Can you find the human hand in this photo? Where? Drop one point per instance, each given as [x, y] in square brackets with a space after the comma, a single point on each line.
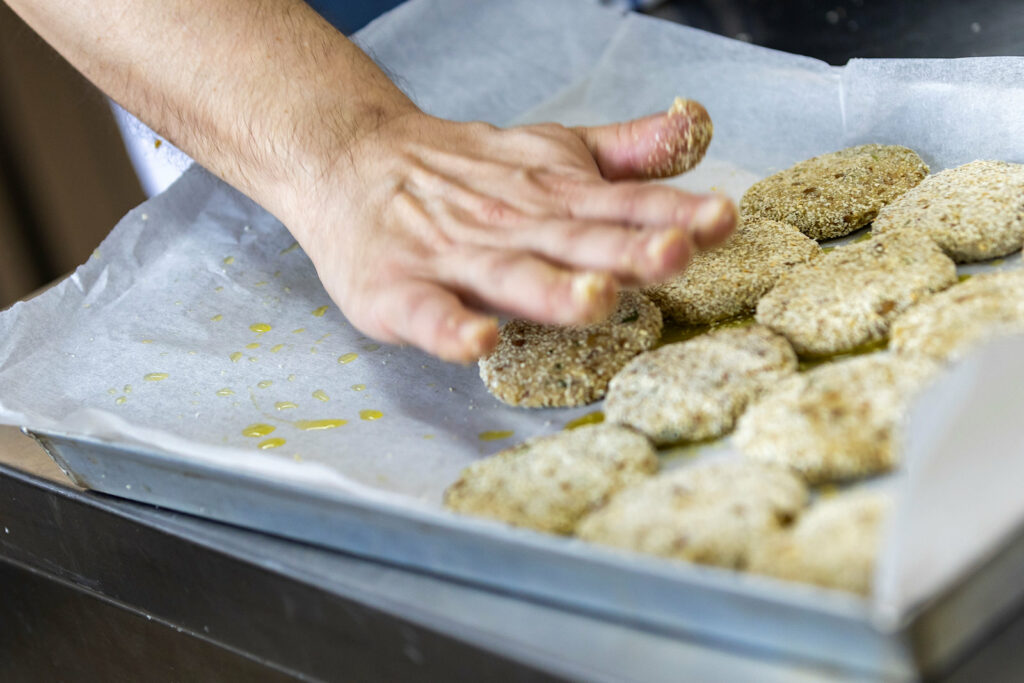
[424, 226]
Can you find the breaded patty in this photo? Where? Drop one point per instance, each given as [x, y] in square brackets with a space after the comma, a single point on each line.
[837, 421]
[834, 194]
[696, 389]
[728, 281]
[834, 543]
[546, 365]
[948, 324]
[712, 514]
[549, 482]
[849, 296]
[973, 212]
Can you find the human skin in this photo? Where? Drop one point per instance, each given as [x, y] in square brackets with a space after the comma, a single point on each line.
[421, 229]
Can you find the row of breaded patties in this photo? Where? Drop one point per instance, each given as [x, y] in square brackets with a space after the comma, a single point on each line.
[807, 385]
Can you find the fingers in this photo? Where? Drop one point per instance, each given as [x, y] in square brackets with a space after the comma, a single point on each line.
[656, 146]
[525, 286]
[432, 318]
[708, 218]
[633, 256]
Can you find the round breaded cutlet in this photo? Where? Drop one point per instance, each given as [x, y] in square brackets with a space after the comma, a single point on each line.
[538, 365]
[696, 389]
[837, 421]
[728, 281]
[834, 194]
[850, 296]
[833, 544]
[711, 514]
[973, 212]
[549, 482]
[949, 324]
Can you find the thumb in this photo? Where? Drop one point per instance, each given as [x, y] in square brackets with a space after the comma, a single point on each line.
[656, 146]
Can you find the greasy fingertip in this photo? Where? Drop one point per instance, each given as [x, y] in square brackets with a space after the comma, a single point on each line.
[713, 222]
[594, 295]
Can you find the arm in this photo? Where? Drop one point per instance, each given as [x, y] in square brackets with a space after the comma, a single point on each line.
[417, 226]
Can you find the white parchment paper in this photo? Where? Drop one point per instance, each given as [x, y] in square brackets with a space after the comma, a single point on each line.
[177, 286]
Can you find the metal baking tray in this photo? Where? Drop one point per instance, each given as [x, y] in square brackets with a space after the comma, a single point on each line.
[830, 628]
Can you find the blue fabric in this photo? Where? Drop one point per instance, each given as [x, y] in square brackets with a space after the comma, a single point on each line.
[348, 16]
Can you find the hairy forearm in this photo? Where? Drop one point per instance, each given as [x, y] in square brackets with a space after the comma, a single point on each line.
[261, 92]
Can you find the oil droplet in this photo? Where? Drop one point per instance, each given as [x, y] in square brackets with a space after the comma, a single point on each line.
[147, 341]
[428, 436]
[358, 387]
[594, 418]
[253, 345]
[285, 405]
[261, 283]
[299, 330]
[998, 262]
[155, 376]
[127, 388]
[495, 435]
[316, 425]
[270, 443]
[371, 347]
[257, 430]
[260, 328]
[347, 358]
[276, 347]
[229, 260]
[828, 490]
[293, 247]
[120, 400]
[218, 289]
[224, 392]
[217, 318]
[319, 312]
[291, 378]
[253, 359]
[112, 391]
[321, 395]
[264, 384]
[322, 338]
[236, 356]
[963, 277]
[370, 415]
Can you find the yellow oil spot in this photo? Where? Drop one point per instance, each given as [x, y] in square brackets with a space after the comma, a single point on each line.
[120, 400]
[276, 347]
[370, 415]
[264, 384]
[229, 260]
[155, 376]
[495, 435]
[321, 395]
[594, 418]
[112, 391]
[963, 277]
[260, 328]
[293, 247]
[371, 347]
[261, 283]
[257, 430]
[316, 425]
[299, 330]
[270, 443]
[127, 388]
[218, 289]
[157, 143]
[322, 338]
[291, 378]
[998, 262]
[225, 392]
[147, 341]
[236, 356]
[296, 457]
[319, 312]
[428, 436]
[253, 359]
[828, 490]
[285, 405]
[347, 358]
[217, 318]
[253, 345]
[358, 387]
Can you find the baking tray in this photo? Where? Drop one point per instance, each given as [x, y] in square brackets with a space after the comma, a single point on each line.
[831, 628]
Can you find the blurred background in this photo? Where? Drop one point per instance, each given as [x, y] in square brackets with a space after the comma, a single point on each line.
[66, 176]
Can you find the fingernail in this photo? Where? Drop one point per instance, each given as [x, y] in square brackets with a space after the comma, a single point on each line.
[711, 214]
[662, 243]
[592, 293]
[477, 335]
